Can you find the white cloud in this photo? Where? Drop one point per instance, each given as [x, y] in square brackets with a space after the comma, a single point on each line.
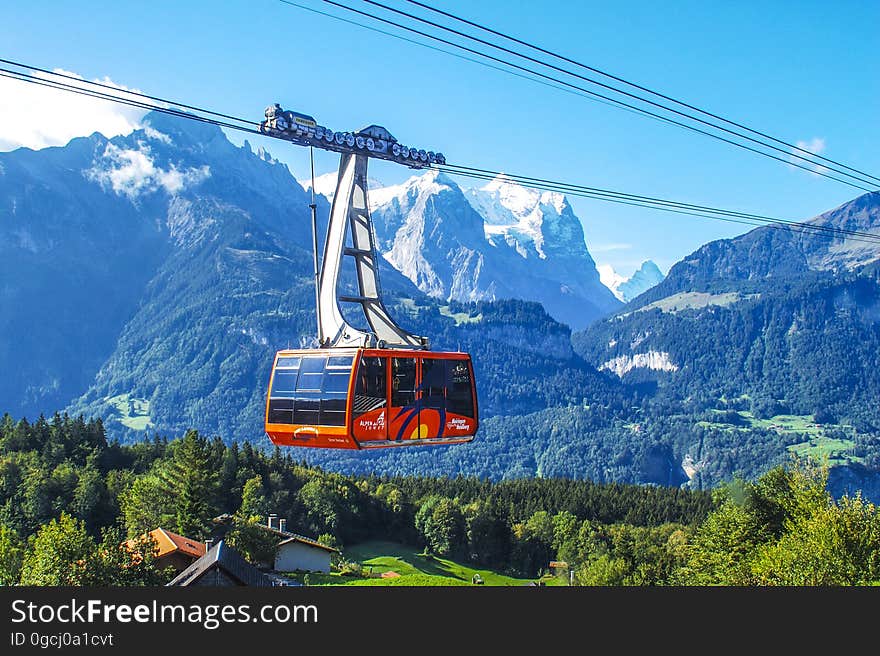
[130, 172]
[38, 116]
[816, 145]
[152, 133]
[604, 248]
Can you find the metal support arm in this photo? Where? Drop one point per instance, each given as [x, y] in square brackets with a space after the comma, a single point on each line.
[350, 214]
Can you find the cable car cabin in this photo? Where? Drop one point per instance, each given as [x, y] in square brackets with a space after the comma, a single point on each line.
[370, 398]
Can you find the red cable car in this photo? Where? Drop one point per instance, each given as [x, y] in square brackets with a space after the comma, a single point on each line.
[373, 388]
[370, 398]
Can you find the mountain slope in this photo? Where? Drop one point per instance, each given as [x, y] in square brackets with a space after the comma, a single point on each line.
[648, 275]
[501, 241]
[73, 261]
[772, 253]
[153, 276]
[772, 314]
[185, 264]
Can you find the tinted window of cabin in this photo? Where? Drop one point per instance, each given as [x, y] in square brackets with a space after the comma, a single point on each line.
[307, 406]
[434, 381]
[403, 382]
[283, 390]
[371, 386]
[311, 371]
[310, 390]
[334, 390]
[459, 389]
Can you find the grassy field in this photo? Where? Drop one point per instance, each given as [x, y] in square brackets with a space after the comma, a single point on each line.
[412, 568]
[825, 448]
[813, 441]
[460, 317]
[133, 412]
[414, 309]
[693, 301]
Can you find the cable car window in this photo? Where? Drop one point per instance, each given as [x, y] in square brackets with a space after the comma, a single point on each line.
[371, 387]
[335, 361]
[281, 411]
[403, 382]
[434, 375]
[333, 412]
[334, 393]
[281, 397]
[284, 380]
[311, 373]
[284, 383]
[459, 391]
[305, 410]
[336, 382]
[310, 391]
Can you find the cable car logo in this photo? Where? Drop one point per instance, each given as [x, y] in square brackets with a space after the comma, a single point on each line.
[377, 424]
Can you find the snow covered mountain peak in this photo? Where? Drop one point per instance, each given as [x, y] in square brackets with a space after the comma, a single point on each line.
[324, 184]
[503, 240]
[533, 222]
[430, 182]
[626, 289]
[521, 201]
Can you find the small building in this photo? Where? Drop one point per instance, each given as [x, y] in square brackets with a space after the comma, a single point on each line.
[174, 550]
[221, 566]
[303, 554]
[297, 552]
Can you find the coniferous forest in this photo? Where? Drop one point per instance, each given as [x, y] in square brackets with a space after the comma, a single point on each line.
[70, 499]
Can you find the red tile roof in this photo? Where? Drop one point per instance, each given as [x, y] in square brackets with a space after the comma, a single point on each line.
[169, 543]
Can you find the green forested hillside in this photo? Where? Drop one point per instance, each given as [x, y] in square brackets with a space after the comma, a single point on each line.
[167, 309]
[68, 498]
[757, 347]
[810, 345]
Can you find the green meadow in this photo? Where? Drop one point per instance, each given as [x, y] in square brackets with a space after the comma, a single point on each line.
[402, 565]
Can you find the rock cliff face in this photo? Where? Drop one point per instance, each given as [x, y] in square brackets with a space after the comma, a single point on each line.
[851, 479]
[499, 242]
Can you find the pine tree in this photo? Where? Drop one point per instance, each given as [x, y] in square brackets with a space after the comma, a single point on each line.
[193, 485]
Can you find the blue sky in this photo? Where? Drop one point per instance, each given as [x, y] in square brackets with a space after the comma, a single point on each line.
[801, 71]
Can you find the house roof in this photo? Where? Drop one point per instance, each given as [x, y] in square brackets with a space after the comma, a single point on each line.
[306, 541]
[229, 561]
[288, 537]
[170, 542]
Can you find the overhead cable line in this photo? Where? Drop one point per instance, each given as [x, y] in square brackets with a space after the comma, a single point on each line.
[93, 93]
[603, 85]
[128, 91]
[453, 168]
[617, 102]
[149, 103]
[636, 86]
[472, 60]
[628, 94]
[662, 204]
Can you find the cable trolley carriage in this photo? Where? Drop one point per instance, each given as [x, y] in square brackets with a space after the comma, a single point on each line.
[369, 398]
[372, 388]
